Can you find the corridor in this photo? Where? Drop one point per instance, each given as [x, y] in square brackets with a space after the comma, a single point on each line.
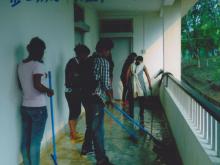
[119, 147]
[152, 29]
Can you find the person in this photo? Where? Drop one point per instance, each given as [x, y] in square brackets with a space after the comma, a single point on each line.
[99, 88]
[137, 88]
[31, 77]
[73, 91]
[130, 59]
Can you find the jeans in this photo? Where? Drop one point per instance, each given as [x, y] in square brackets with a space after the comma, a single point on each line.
[95, 127]
[33, 126]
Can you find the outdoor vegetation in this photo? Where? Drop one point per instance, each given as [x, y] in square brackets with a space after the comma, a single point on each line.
[201, 48]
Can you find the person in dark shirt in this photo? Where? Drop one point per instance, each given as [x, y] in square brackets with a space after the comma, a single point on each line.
[73, 89]
[130, 59]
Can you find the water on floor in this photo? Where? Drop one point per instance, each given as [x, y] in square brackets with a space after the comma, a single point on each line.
[120, 148]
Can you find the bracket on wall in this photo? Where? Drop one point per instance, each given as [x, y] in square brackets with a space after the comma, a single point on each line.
[82, 26]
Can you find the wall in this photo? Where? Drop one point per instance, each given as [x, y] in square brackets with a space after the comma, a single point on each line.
[186, 5]
[53, 22]
[172, 39]
[91, 37]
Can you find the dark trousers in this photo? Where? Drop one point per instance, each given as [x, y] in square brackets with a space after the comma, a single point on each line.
[124, 92]
[74, 100]
[94, 126]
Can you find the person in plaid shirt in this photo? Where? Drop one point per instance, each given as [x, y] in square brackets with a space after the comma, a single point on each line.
[95, 101]
[102, 74]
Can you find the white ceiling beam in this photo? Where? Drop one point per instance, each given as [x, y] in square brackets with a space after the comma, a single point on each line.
[168, 2]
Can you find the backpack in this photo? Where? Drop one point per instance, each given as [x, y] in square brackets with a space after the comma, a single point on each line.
[88, 81]
[72, 71]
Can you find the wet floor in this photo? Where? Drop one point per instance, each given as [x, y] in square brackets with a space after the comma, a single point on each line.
[120, 148]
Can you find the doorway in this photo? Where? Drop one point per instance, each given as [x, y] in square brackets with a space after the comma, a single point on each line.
[122, 48]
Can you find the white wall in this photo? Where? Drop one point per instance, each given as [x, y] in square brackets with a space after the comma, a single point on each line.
[54, 23]
[91, 37]
[186, 5]
[51, 21]
[172, 39]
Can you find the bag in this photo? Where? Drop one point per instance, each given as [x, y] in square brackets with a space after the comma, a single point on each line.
[88, 81]
[72, 74]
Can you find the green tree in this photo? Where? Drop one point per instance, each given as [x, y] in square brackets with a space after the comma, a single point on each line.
[200, 29]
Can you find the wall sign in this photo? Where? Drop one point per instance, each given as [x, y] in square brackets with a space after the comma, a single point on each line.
[16, 2]
[91, 0]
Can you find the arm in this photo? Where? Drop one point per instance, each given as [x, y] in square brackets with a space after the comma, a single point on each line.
[18, 80]
[40, 87]
[127, 75]
[68, 75]
[106, 81]
[148, 77]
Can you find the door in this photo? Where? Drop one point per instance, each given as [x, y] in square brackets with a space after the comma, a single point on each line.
[122, 48]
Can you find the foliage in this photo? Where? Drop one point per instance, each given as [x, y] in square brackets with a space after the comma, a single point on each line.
[200, 29]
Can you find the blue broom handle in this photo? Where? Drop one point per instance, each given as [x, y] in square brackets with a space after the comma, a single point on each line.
[132, 134]
[133, 121]
[52, 119]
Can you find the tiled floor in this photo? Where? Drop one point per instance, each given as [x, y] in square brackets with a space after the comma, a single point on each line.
[119, 148]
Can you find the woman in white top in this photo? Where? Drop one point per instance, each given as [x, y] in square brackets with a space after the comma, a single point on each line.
[137, 88]
[31, 76]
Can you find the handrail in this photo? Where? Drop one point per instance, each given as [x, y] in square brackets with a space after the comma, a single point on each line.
[212, 109]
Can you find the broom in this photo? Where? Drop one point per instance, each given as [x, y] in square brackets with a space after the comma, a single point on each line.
[54, 155]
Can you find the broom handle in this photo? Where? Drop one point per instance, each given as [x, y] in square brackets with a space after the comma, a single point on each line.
[132, 134]
[54, 156]
[134, 122]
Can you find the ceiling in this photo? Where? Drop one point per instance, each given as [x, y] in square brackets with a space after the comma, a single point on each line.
[127, 5]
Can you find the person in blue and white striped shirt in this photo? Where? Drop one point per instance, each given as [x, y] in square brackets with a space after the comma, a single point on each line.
[95, 101]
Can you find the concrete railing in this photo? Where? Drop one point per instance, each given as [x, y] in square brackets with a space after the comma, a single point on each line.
[194, 121]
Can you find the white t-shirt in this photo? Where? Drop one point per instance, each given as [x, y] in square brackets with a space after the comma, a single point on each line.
[31, 96]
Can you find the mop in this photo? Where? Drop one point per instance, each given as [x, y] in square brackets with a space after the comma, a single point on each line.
[53, 156]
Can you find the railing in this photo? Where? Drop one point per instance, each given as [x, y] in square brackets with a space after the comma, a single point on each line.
[202, 116]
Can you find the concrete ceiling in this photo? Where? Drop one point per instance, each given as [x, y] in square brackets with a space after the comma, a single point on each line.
[127, 5]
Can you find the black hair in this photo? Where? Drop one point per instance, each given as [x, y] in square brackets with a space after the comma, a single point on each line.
[139, 58]
[36, 42]
[81, 49]
[132, 56]
[104, 43]
[130, 59]
[36, 49]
